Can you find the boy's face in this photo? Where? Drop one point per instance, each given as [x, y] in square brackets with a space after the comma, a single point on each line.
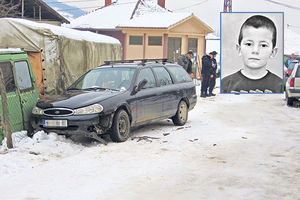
[256, 47]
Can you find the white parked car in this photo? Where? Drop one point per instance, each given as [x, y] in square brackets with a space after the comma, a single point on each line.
[293, 85]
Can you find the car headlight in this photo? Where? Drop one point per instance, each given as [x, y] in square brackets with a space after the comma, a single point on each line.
[37, 111]
[95, 108]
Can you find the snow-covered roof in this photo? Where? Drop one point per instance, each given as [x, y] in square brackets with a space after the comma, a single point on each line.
[68, 32]
[147, 6]
[10, 50]
[143, 13]
[130, 14]
[105, 18]
[156, 20]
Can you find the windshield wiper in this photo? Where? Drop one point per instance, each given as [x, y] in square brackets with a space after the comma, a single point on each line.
[73, 89]
[100, 88]
[95, 88]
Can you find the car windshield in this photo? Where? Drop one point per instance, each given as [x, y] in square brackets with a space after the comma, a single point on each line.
[114, 78]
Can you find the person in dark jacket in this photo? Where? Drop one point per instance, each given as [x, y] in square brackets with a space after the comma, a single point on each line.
[207, 67]
[185, 61]
[213, 74]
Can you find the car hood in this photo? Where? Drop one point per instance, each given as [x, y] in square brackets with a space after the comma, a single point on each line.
[76, 99]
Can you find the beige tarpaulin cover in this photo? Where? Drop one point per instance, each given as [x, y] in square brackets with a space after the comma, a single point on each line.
[66, 53]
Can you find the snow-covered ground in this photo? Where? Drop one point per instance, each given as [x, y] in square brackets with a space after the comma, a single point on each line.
[234, 147]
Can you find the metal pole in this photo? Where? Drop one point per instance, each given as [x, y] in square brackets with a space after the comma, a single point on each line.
[22, 8]
[40, 13]
[33, 12]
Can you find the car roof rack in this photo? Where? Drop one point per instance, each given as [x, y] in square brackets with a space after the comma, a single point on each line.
[143, 61]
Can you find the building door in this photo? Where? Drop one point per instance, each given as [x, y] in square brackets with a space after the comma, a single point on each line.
[174, 48]
[193, 45]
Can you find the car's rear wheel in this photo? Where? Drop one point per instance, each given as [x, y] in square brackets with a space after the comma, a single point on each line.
[121, 126]
[181, 115]
[290, 101]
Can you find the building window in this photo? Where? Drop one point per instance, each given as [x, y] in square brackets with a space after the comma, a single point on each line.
[135, 40]
[155, 41]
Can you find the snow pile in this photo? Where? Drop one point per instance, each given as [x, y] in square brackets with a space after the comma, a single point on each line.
[29, 152]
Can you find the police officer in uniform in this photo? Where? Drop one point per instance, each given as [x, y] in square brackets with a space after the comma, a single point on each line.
[213, 74]
[206, 71]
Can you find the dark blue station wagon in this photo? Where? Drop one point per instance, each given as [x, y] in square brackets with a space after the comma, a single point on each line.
[114, 97]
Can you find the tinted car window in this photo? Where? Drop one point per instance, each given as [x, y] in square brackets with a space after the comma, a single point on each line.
[23, 75]
[148, 75]
[8, 76]
[163, 76]
[179, 74]
[109, 78]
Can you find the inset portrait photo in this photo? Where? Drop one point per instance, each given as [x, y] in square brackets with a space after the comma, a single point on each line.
[252, 52]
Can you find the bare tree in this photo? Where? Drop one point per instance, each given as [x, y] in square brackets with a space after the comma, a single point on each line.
[10, 8]
[5, 118]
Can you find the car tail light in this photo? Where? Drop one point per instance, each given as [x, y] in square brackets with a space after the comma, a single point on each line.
[292, 82]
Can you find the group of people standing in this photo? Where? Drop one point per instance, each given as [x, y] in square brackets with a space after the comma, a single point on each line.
[208, 71]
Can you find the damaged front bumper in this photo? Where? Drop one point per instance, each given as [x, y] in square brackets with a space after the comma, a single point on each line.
[72, 125]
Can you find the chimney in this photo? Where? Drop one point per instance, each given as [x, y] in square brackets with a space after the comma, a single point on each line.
[107, 2]
[161, 3]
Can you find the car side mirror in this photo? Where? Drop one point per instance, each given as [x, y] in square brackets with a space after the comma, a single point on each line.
[141, 84]
[138, 87]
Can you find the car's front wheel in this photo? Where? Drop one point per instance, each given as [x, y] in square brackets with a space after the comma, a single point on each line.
[121, 126]
[181, 115]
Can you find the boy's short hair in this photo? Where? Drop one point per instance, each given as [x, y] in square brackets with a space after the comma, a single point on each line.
[259, 21]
